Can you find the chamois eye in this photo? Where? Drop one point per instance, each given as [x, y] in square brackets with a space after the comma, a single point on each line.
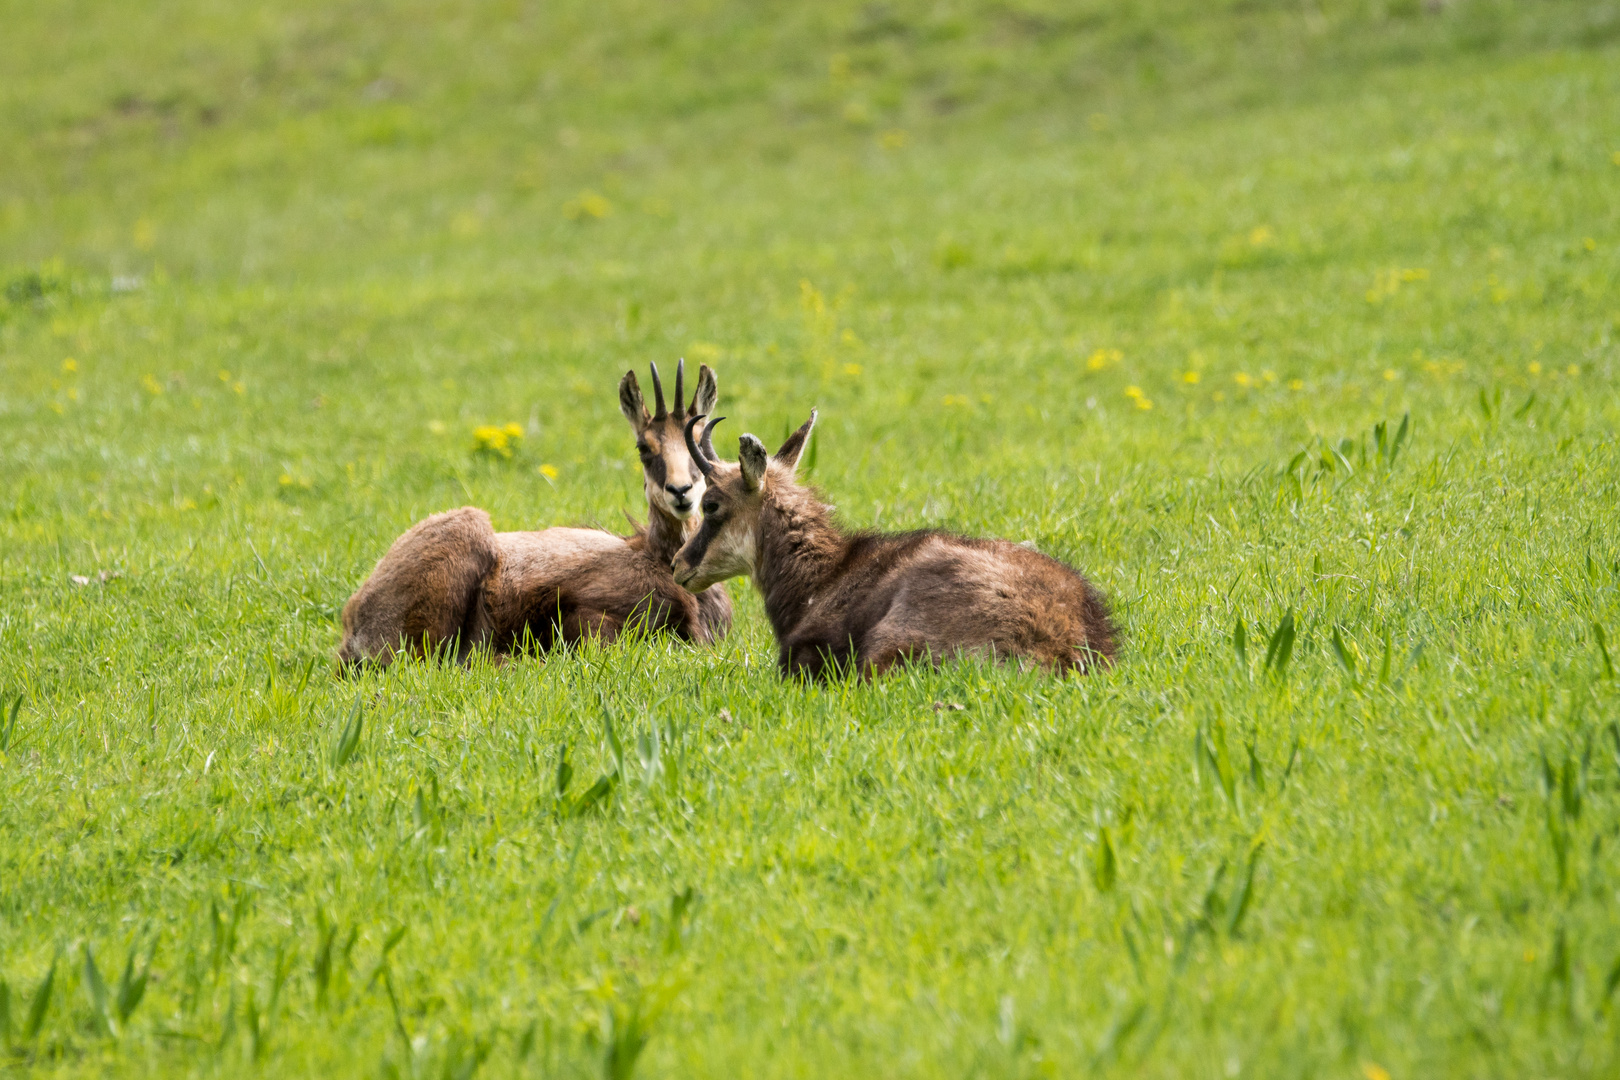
[710, 507]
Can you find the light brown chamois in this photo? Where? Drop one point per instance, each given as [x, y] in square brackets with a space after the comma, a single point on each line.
[452, 584]
[871, 600]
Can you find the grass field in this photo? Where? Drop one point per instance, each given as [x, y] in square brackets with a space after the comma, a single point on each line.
[1292, 326]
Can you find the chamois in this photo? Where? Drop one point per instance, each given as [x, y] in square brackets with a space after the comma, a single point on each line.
[451, 583]
[872, 600]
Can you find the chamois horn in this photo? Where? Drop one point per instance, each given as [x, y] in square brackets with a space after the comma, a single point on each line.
[680, 399]
[658, 393]
[707, 445]
[705, 466]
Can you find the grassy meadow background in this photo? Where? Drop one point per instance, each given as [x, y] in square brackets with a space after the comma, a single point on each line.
[1293, 325]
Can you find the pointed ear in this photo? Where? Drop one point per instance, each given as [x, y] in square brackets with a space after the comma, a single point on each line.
[753, 459]
[708, 392]
[630, 402]
[789, 452]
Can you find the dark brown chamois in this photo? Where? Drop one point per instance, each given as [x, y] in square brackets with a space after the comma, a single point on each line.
[452, 584]
[872, 600]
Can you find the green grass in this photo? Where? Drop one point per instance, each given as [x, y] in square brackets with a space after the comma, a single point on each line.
[297, 254]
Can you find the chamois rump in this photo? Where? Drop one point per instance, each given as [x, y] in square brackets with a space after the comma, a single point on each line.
[872, 600]
[451, 583]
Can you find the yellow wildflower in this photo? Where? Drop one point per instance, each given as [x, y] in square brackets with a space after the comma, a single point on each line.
[1535, 367]
[498, 441]
[70, 365]
[549, 472]
[588, 205]
[1190, 377]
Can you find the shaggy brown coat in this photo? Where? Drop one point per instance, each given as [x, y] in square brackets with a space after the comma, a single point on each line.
[451, 584]
[872, 600]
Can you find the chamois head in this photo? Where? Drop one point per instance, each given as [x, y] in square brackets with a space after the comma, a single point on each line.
[725, 545]
[674, 483]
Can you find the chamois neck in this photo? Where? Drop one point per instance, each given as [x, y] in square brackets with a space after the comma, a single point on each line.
[666, 534]
[797, 554]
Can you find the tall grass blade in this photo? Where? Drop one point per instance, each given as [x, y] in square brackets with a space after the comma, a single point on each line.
[1240, 644]
[623, 1040]
[9, 732]
[1242, 895]
[596, 796]
[132, 987]
[1104, 865]
[348, 741]
[565, 773]
[1597, 633]
[615, 747]
[680, 905]
[95, 990]
[1346, 660]
[41, 1003]
[5, 1014]
[1281, 647]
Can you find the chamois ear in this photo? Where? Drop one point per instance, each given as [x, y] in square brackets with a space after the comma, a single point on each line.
[752, 457]
[630, 402]
[708, 392]
[790, 451]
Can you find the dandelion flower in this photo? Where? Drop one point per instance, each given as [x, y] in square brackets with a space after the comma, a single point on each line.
[1296, 384]
[497, 441]
[1390, 374]
[1243, 378]
[1535, 367]
[1573, 369]
[1191, 378]
[1133, 391]
[1261, 235]
[70, 365]
[587, 206]
[548, 471]
[1589, 244]
[852, 369]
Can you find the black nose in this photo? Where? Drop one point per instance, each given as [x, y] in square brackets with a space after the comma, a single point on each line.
[678, 492]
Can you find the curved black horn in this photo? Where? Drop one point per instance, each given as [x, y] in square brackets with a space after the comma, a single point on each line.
[658, 393]
[705, 466]
[707, 445]
[680, 400]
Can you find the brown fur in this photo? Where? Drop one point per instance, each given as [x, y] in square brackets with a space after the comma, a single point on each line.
[452, 584]
[873, 600]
